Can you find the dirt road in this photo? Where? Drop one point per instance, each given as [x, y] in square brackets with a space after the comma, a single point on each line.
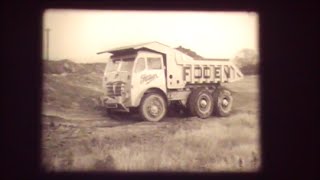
[79, 139]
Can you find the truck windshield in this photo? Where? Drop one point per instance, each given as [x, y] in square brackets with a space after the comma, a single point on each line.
[113, 65]
[126, 64]
[121, 64]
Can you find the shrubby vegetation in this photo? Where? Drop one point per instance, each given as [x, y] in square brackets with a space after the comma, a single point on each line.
[248, 61]
[67, 66]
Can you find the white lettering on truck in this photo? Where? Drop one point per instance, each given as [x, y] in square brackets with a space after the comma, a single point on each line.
[147, 78]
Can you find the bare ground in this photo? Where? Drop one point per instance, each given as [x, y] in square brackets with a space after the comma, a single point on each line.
[78, 136]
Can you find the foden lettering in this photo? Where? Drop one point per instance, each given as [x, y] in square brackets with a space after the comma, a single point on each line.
[207, 72]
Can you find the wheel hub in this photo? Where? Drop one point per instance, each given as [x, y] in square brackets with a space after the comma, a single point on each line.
[203, 103]
[154, 110]
[225, 102]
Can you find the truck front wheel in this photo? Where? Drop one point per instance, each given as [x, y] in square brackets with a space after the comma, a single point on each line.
[153, 107]
[223, 102]
[200, 103]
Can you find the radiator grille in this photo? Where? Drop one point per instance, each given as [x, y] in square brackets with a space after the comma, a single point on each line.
[113, 89]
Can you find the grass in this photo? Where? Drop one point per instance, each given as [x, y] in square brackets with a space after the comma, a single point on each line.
[176, 144]
[231, 145]
[213, 147]
[71, 91]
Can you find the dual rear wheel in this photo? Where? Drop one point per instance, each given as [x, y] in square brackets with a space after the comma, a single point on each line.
[201, 103]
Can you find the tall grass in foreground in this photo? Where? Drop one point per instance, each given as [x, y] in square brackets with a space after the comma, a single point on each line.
[210, 148]
[224, 144]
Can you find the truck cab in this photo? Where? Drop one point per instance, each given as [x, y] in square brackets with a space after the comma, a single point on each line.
[128, 76]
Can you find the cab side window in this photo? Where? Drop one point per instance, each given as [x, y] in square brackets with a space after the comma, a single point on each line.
[140, 66]
[154, 63]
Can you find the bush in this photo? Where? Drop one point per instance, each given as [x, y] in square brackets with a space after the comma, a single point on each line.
[67, 66]
[247, 60]
[250, 69]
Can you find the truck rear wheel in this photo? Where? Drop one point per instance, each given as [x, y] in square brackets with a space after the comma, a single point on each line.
[222, 101]
[200, 103]
[153, 107]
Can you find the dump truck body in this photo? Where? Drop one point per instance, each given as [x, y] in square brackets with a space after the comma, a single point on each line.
[135, 72]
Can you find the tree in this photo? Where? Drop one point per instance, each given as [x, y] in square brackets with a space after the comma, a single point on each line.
[248, 61]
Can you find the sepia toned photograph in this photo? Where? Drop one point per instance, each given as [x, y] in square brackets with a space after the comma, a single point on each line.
[150, 91]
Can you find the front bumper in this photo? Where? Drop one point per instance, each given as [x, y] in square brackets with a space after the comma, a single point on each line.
[113, 103]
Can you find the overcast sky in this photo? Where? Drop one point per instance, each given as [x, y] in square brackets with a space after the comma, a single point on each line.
[79, 34]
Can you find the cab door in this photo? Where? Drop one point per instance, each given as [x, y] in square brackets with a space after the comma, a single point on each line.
[148, 73]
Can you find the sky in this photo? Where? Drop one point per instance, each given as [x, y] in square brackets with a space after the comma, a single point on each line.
[79, 34]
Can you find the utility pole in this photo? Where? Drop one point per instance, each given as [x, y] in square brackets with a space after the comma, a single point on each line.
[47, 30]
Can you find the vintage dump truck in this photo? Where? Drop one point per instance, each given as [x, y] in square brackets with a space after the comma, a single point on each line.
[150, 77]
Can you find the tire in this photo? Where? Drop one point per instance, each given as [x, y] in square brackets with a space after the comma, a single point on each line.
[200, 103]
[223, 101]
[153, 107]
[109, 111]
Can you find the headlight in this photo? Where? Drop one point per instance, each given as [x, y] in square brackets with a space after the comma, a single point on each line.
[125, 94]
[122, 87]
